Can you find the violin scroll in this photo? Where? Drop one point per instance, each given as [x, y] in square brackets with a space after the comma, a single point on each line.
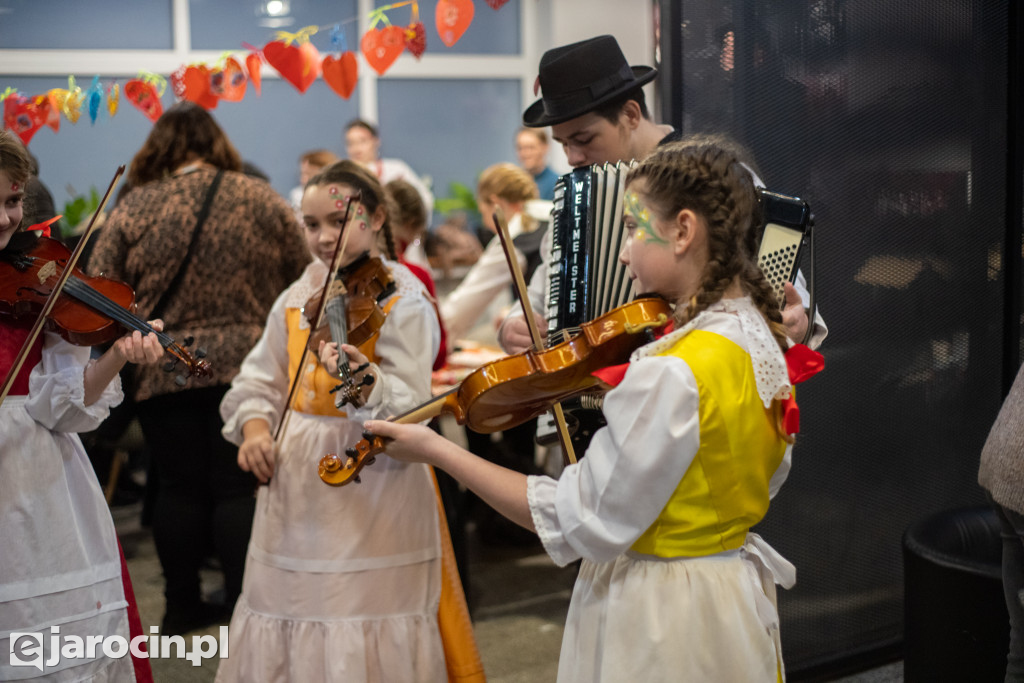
[338, 471]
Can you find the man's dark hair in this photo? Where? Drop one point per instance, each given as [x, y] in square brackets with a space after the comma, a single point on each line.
[611, 109]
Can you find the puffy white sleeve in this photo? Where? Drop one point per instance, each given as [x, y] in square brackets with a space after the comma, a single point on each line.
[56, 389]
[408, 343]
[260, 388]
[601, 505]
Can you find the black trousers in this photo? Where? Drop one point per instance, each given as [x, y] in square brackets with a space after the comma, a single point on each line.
[204, 502]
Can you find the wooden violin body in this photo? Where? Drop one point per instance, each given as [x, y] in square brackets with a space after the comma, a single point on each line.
[89, 310]
[366, 281]
[509, 391]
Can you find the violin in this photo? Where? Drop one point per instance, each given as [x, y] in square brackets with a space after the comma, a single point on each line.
[352, 315]
[511, 390]
[89, 311]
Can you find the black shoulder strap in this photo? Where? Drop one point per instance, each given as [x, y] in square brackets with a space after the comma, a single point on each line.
[200, 219]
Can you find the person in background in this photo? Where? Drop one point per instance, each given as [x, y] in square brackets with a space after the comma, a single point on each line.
[61, 567]
[209, 248]
[1001, 474]
[673, 583]
[310, 163]
[408, 225]
[532, 150]
[362, 145]
[508, 188]
[595, 105]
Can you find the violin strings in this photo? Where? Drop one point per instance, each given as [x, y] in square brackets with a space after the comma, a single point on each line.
[98, 301]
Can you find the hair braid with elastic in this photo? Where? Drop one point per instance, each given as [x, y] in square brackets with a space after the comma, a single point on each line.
[706, 177]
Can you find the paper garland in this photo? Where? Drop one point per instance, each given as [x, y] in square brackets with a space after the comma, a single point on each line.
[293, 55]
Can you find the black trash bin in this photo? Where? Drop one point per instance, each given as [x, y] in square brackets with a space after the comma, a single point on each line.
[956, 625]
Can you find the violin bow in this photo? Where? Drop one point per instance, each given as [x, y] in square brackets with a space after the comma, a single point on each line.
[51, 300]
[314, 325]
[524, 300]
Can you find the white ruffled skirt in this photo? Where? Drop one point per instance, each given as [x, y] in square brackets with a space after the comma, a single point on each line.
[642, 618]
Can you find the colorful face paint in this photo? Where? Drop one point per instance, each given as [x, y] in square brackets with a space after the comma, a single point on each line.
[644, 231]
[14, 187]
[333, 190]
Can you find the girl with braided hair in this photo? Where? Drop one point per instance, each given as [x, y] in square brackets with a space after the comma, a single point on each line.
[340, 585]
[673, 585]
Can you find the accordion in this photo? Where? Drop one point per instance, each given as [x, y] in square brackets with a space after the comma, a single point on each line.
[586, 279]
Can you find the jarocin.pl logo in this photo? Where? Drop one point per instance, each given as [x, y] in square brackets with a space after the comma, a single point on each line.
[27, 648]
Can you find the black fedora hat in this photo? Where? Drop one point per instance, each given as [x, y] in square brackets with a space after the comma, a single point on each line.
[578, 78]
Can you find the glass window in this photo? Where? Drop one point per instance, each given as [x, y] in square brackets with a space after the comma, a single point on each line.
[110, 24]
[228, 25]
[449, 130]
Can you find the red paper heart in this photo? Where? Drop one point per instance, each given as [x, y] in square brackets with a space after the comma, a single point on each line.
[453, 17]
[382, 47]
[416, 39]
[496, 4]
[253, 64]
[229, 82]
[23, 117]
[193, 83]
[341, 73]
[144, 97]
[298, 64]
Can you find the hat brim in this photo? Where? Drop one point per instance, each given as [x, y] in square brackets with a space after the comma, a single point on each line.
[535, 117]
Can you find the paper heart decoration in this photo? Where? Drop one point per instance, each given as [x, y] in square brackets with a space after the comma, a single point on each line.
[228, 83]
[253, 64]
[416, 39]
[144, 97]
[382, 46]
[193, 83]
[298, 64]
[23, 116]
[341, 73]
[496, 4]
[453, 17]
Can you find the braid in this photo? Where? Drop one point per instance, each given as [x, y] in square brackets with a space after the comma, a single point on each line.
[389, 241]
[706, 177]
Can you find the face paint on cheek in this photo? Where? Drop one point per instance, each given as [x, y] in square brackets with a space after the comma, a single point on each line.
[14, 187]
[645, 231]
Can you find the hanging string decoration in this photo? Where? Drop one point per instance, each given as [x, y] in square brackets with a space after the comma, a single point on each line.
[228, 81]
[253, 64]
[299, 64]
[113, 98]
[452, 18]
[145, 92]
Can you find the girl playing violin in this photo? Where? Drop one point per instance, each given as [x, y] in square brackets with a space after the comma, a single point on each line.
[672, 582]
[340, 584]
[61, 566]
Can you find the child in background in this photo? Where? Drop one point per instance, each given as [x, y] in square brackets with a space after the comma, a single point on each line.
[310, 163]
[61, 565]
[673, 585]
[341, 584]
[409, 223]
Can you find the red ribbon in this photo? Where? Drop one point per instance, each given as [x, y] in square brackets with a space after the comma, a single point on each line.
[44, 227]
[802, 363]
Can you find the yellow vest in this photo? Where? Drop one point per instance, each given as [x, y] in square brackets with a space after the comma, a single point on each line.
[313, 396]
[725, 490]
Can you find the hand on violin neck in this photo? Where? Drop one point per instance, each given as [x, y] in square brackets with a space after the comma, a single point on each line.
[133, 347]
[408, 442]
[140, 349]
